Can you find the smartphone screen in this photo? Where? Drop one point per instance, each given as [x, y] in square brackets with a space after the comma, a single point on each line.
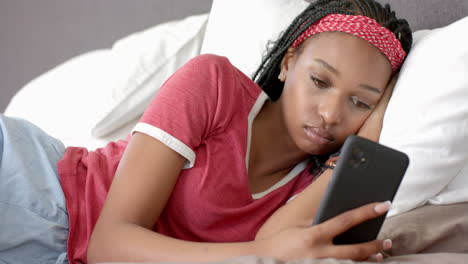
[366, 172]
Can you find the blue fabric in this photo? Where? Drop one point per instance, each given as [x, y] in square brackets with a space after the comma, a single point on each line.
[33, 217]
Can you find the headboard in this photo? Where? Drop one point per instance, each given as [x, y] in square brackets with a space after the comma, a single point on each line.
[38, 35]
[429, 14]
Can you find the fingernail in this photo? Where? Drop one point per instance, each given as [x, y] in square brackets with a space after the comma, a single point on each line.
[378, 257]
[387, 244]
[383, 207]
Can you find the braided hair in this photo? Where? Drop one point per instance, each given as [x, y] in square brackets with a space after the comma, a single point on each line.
[266, 76]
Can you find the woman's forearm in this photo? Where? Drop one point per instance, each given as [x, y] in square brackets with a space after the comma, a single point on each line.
[132, 243]
[300, 211]
[372, 129]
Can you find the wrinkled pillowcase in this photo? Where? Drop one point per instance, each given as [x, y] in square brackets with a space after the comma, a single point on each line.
[245, 41]
[148, 59]
[98, 96]
[427, 118]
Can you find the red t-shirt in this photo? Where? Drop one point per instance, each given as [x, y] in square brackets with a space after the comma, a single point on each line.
[204, 112]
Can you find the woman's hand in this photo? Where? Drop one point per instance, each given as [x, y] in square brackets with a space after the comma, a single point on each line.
[372, 127]
[317, 241]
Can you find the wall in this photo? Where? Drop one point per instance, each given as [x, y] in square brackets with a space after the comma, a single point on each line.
[35, 36]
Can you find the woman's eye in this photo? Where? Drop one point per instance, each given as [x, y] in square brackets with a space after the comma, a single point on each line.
[319, 83]
[360, 104]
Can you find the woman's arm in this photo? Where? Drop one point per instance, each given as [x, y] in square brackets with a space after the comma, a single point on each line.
[142, 185]
[143, 182]
[148, 170]
[300, 211]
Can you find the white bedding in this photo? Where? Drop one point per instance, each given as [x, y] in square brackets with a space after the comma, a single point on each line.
[98, 96]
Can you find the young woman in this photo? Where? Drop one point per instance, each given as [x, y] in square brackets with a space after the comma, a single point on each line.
[219, 165]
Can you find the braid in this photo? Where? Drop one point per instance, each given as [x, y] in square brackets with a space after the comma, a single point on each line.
[266, 74]
[319, 162]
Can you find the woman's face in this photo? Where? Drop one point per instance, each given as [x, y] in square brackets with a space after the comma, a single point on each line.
[331, 87]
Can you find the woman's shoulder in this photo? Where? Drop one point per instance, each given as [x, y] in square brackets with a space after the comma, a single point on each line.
[211, 59]
[220, 70]
[220, 65]
[211, 64]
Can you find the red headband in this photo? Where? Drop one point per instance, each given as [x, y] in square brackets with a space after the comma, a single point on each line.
[363, 27]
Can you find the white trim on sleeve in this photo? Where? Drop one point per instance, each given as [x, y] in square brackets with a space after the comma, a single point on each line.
[166, 138]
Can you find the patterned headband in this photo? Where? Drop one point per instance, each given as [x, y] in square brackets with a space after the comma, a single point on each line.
[363, 27]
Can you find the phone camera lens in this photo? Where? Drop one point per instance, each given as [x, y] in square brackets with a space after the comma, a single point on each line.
[358, 157]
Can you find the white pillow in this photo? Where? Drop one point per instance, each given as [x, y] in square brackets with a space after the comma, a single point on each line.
[98, 96]
[148, 58]
[427, 118]
[240, 30]
[64, 101]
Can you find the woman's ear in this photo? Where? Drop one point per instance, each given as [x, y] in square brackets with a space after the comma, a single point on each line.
[287, 62]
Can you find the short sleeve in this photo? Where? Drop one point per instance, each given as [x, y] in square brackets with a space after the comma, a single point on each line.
[185, 111]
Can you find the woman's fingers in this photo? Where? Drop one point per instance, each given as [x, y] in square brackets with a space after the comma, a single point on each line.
[360, 252]
[349, 219]
[343, 222]
[376, 257]
[317, 241]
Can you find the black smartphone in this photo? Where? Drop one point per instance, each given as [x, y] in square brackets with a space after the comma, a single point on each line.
[366, 172]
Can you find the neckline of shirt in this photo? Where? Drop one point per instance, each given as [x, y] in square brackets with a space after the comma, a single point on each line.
[261, 99]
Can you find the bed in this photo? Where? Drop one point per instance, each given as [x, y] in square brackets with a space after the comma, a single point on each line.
[429, 220]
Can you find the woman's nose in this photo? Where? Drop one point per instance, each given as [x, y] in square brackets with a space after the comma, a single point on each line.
[330, 110]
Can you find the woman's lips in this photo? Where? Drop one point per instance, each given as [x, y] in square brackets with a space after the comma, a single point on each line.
[317, 135]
